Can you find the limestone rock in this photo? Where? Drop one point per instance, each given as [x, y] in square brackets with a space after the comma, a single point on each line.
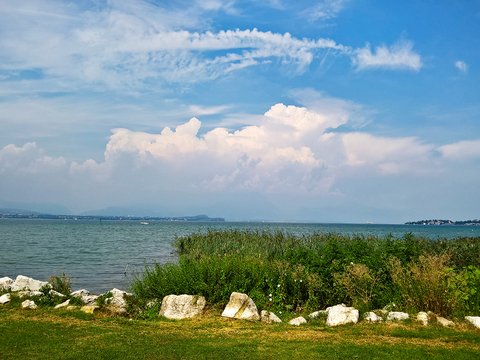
[241, 306]
[116, 303]
[269, 317]
[444, 322]
[4, 299]
[89, 309]
[5, 283]
[397, 315]
[29, 304]
[372, 317]
[56, 293]
[72, 307]
[474, 320]
[298, 321]
[422, 317]
[26, 283]
[85, 296]
[317, 314]
[182, 306]
[65, 303]
[22, 294]
[341, 314]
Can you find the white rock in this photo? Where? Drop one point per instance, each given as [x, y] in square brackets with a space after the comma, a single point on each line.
[116, 302]
[298, 321]
[317, 314]
[397, 315]
[22, 294]
[341, 314]
[65, 303]
[269, 317]
[241, 306]
[29, 304]
[372, 317]
[6, 283]
[56, 293]
[85, 296]
[444, 322]
[26, 283]
[474, 320]
[4, 299]
[182, 306]
[422, 317]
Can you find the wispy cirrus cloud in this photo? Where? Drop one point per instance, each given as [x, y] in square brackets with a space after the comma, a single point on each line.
[462, 66]
[398, 56]
[325, 9]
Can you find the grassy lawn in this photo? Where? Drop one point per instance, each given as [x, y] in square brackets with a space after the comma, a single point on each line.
[60, 334]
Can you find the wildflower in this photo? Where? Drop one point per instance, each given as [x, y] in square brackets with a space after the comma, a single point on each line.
[270, 299]
[278, 285]
[300, 280]
[270, 295]
[351, 263]
[280, 312]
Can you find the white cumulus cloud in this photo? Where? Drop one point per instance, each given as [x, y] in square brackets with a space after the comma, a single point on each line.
[462, 150]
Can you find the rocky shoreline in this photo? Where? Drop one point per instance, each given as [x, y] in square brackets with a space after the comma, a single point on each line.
[178, 307]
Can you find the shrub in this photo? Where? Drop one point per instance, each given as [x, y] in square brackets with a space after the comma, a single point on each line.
[359, 283]
[428, 284]
[61, 283]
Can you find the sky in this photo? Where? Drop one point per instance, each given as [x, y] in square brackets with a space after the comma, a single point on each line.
[277, 110]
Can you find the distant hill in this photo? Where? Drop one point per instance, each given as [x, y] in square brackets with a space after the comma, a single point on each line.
[33, 208]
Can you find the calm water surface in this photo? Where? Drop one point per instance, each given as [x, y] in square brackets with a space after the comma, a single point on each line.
[96, 254]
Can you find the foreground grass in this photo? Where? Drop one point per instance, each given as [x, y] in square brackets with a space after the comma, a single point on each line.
[55, 334]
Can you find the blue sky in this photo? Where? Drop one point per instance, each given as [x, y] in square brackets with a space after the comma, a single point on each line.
[328, 111]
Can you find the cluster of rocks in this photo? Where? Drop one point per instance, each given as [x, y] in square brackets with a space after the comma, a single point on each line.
[178, 307]
[28, 287]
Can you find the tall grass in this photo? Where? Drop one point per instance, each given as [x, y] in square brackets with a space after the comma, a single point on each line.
[285, 272]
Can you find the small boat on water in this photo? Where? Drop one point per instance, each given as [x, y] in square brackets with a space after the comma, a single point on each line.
[144, 223]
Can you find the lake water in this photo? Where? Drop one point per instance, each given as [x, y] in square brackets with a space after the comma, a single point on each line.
[95, 254]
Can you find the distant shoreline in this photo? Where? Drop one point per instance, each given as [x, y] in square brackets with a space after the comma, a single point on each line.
[106, 217]
[444, 222]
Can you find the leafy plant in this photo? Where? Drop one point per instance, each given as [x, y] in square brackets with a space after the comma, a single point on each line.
[61, 283]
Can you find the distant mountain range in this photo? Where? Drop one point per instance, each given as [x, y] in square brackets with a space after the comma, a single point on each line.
[54, 211]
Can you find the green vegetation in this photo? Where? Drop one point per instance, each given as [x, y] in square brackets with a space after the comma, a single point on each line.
[285, 273]
[60, 334]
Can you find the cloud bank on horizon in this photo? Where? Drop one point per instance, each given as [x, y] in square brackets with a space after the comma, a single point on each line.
[275, 110]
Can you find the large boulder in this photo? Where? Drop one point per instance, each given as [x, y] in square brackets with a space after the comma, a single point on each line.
[26, 283]
[269, 317]
[341, 315]
[397, 315]
[5, 283]
[241, 306]
[4, 299]
[85, 296]
[182, 306]
[474, 320]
